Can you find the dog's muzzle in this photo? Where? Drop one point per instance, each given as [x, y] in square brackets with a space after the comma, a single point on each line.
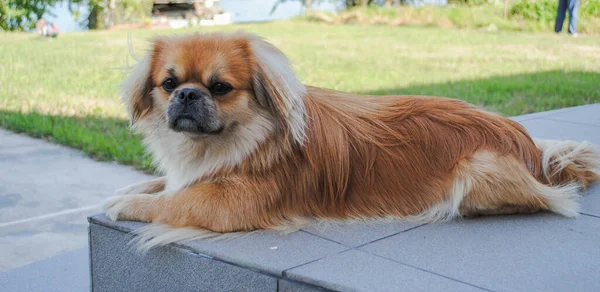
[193, 111]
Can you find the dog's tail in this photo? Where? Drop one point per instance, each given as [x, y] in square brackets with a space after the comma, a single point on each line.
[569, 162]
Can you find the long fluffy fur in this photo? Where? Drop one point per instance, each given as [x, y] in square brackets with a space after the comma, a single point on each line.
[158, 234]
[301, 154]
[569, 161]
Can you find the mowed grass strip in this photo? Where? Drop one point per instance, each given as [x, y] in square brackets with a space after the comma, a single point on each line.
[66, 89]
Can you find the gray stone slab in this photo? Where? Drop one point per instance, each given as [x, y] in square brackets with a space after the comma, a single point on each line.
[589, 115]
[46, 193]
[31, 241]
[114, 267]
[546, 113]
[357, 270]
[64, 273]
[268, 251]
[550, 129]
[590, 203]
[9, 139]
[541, 252]
[357, 233]
[40, 178]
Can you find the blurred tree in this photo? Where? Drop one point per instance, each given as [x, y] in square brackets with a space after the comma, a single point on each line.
[106, 13]
[99, 12]
[307, 4]
[363, 3]
[21, 15]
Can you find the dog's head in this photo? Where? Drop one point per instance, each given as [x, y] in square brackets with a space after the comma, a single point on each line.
[205, 85]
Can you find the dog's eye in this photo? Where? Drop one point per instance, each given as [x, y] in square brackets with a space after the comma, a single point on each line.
[169, 84]
[221, 88]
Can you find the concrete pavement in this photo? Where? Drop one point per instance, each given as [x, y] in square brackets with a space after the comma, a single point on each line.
[46, 193]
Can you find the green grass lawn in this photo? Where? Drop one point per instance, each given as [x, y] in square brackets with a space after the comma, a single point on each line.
[66, 89]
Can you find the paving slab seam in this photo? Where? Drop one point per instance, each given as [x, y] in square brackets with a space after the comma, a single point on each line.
[319, 236]
[283, 275]
[284, 272]
[189, 250]
[590, 215]
[299, 283]
[559, 111]
[568, 122]
[50, 215]
[403, 231]
[430, 272]
[548, 113]
[526, 119]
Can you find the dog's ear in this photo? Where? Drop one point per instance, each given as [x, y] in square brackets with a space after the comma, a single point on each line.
[277, 87]
[137, 88]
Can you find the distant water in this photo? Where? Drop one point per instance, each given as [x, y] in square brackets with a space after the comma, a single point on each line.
[241, 10]
[61, 16]
[260, 10]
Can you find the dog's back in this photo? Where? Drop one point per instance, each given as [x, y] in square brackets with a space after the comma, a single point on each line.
[433, 159]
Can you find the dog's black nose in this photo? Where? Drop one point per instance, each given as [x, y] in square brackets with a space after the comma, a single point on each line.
[188, 95]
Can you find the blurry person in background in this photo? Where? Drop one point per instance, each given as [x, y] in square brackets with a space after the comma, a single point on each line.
[53, 30]
[41, 26]
[46, 29]
[572, 6]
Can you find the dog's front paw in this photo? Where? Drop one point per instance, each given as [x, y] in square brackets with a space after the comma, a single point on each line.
[153, 186]
[128, 207]
[130, 190]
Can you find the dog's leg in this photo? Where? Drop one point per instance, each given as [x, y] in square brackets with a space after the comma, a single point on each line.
[148, 187]
[225, 206]
[503, 185]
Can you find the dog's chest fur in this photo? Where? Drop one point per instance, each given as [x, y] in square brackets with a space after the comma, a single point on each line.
[185, 161]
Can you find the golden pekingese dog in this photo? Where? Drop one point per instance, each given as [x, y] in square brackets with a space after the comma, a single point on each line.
[244, 145]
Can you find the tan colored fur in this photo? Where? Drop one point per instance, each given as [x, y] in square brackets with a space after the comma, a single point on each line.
[148, 187]
[294, 152]
[502, 185]
[567, 161]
